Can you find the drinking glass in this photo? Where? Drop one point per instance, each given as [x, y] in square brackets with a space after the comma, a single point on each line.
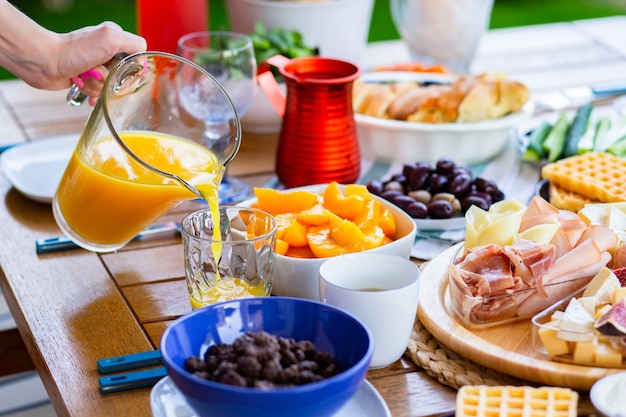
[229, 57]
[146, 147]
[228, 257]
[445, 32]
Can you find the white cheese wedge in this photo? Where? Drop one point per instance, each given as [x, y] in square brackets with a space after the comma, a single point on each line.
[541, 233]
[589, 304]
[576, 323]
[616, 219]
[601, 286]
[594, 213]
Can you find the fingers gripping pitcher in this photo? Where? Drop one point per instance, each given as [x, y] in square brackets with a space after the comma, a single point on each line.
[162, 132]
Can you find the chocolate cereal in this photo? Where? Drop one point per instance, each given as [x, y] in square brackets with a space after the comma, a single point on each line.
[262, 360]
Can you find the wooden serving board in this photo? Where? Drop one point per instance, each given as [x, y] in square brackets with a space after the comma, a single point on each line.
[506, 348]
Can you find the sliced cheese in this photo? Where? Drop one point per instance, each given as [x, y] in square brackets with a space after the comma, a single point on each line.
[594, 213]
[616, 219]
[541, 233]
[618, 295]
[602, 310]
[497, 225]
[602, 285]
[589, 304]
[576, 323]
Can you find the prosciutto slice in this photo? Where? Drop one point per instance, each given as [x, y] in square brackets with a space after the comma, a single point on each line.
[619, 259]
[523, 277]
[530, 260]
[486, 270]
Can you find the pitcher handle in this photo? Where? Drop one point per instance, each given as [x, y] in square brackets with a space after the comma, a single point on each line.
[270, 86]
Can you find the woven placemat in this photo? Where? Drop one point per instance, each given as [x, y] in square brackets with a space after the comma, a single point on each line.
[448, 367]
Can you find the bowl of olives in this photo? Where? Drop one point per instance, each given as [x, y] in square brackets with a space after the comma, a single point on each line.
[437, 195]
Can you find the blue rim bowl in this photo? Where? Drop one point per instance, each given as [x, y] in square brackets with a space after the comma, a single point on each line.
[331, 330]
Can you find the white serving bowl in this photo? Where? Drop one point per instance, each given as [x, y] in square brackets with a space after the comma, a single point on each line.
[606, 394]
[391, 141]
[298, 277]
[261, 117]
[339, 28]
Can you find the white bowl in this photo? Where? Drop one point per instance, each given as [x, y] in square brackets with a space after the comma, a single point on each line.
[607, 395]
[391, 141]
[261, 117]
[298, 277]
[339, 28]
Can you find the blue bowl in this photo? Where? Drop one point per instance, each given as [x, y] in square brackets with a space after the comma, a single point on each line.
[331, 330]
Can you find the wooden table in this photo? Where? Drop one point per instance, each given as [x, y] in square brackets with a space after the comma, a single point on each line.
[75, 307]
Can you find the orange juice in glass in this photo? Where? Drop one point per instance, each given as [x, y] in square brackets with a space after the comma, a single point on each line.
[162, 132]
[238, 264]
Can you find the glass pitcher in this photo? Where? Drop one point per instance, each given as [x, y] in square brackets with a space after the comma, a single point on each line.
[162, 131]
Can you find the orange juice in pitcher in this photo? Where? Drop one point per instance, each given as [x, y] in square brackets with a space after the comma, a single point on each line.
[106, 182]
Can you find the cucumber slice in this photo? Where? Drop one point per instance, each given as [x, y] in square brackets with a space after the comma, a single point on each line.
[579, 126]
[555, 141]
[618, 148]
[604, 125]
[534, 148]
[614, 134]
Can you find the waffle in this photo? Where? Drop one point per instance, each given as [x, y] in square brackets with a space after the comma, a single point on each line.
[510, 401]
[568, 200]
[594, 175]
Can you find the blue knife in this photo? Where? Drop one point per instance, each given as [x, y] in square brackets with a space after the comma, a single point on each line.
[53, 244]
[130, 380]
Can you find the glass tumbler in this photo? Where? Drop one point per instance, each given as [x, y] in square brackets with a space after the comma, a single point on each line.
[229, 259]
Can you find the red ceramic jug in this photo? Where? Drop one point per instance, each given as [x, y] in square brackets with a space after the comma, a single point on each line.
[318, 142]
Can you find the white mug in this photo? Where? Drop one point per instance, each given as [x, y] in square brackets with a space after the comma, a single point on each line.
[379, 289]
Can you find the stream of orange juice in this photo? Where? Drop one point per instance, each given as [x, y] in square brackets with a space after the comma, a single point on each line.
[109, 185]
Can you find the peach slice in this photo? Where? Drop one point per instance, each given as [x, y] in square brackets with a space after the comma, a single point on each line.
[343, 206]
[279, 202]
[295, 234]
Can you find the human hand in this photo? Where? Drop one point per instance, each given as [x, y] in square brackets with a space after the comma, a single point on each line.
[48, 60]
[94, 47]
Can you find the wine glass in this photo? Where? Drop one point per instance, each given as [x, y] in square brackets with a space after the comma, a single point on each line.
[229, 57]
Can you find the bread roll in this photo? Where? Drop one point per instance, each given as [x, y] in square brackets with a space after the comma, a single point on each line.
[492, 97]
[471, 98]
[409, 102]
[444, 108]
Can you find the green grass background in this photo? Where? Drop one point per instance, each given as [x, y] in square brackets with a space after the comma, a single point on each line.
[67, 15]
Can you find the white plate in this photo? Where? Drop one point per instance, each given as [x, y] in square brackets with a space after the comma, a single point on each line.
[607, 395]
[167, 401]
[454, 223]
[35, 168]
